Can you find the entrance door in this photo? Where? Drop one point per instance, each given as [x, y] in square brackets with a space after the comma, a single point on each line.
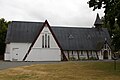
[105, 55]
[15, 54]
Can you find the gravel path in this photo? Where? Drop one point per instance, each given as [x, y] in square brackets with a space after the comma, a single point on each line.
[5, 65]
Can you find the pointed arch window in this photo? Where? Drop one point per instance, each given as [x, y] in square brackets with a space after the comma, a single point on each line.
[46, 41]
[42, 41]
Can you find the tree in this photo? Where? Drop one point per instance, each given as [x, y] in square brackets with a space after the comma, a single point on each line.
[111, 18]
[3, 31]
[112, 9]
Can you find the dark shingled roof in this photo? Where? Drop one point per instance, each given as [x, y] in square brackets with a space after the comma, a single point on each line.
[19, 31]
[73, 38]
[70, 38]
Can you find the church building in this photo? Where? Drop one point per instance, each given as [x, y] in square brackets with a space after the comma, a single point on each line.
[39, 41]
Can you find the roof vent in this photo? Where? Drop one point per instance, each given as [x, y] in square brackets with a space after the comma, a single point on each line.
[71, 36]
[89, 37]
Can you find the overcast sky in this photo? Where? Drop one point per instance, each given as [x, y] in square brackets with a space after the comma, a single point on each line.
[57, 12]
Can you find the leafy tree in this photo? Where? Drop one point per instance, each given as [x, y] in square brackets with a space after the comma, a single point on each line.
[3, 31]
[111, 18]
[112, 9]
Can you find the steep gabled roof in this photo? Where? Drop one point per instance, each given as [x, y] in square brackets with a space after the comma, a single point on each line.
[69, 38]
[21, 31]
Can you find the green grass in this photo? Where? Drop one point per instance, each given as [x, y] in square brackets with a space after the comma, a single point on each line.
[63, 71]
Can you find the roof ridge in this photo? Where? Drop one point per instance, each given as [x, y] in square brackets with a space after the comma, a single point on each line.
[74, 27]
[68, 27]
[27, 22]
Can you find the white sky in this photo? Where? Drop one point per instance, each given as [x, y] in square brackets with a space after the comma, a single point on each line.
[57, 12]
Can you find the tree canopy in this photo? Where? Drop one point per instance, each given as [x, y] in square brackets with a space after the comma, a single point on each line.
[112, 9]
[3, 31]
[111, 18]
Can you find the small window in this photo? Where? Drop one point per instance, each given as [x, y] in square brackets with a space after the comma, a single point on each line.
[82, 53]
[48, 41]
[43, 41]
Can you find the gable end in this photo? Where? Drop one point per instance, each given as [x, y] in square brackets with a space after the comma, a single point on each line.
[45, 23]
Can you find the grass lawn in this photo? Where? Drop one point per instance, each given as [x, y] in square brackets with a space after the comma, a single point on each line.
[63, 71]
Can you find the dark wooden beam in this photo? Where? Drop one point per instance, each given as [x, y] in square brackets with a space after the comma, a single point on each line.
[87, 54]
[68, 55]
[78, 55]
[64, 57]
[97, 55]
